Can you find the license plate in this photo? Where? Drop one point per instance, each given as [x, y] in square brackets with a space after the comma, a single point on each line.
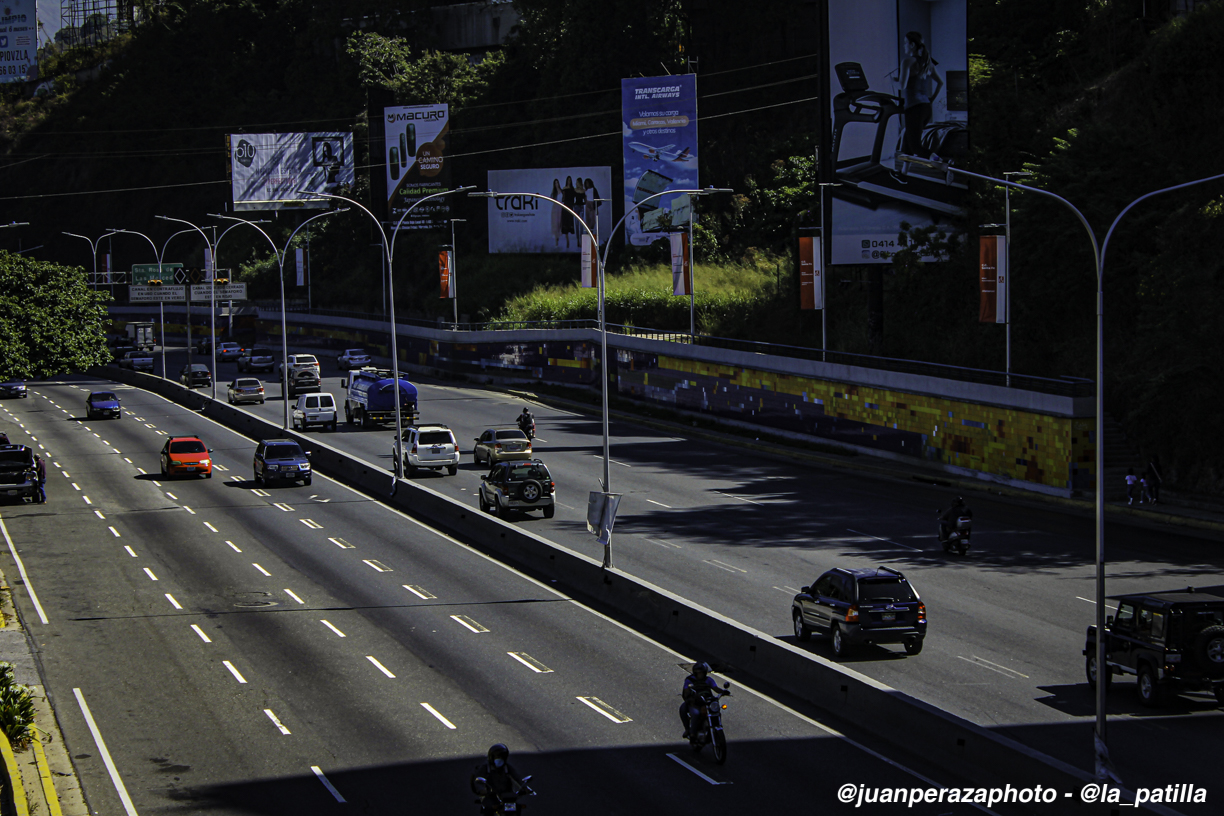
[435, 450]
[888, 616]
[189, 467]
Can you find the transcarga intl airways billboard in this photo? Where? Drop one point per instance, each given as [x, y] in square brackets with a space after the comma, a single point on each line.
[415, 146]
[268, 171]
[18, 40]
[528, 224]
[659, 133]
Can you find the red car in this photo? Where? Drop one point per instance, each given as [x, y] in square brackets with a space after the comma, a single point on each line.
[186, 455]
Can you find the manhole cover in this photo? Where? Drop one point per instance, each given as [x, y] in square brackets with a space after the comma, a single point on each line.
[254, 600]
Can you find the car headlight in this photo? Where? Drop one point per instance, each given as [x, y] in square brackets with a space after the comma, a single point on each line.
[206, 462]
[273, 467]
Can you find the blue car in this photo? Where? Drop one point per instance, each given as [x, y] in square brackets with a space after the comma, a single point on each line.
[102, 404]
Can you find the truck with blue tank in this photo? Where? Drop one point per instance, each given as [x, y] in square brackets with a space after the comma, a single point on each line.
[369, 397]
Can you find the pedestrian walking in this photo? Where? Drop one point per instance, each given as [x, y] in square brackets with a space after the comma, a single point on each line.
[41, 467]
[1145, 495]
[1132, 485]
[1153, 480]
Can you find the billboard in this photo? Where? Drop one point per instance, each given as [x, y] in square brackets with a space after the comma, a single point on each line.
[899, 71]
[415, 141]
[525, 224]
[268, 169]
[18, 41]
[659, 142]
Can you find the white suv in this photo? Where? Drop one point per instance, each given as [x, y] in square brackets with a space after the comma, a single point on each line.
[314, 409]
[299, 361]
[429, 446]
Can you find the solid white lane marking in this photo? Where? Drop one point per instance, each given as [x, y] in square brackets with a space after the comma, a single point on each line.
[98, 513]
[613, 461]
[438, 714]
[209, 526]
[468, 623]
[130, 551]
[233, 546]
[420, 592]
[380, 666]
[885, 540]
[312, 524]
[116, 780]
[149, 572]
[1089, 600]
[603, 708]
[233, 671]
[376, 565]
[291, 594]
[279, 725]
[200, 632]
[661, 504]
[994, 667]
[261, 569]
[173, 602]
[699, 773]
[25, 576]
[342, 544]
[333, 628]
[530, 662]
[330, 787]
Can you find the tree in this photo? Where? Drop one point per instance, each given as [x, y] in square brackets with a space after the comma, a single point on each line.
[50, 321]
[432, 78]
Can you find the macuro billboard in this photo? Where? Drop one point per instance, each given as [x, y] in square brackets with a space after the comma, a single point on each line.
[533, 225]
[414, 152]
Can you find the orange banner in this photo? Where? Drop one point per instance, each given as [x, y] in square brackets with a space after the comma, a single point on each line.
[811, 294]
[445, 262]
[992, 279]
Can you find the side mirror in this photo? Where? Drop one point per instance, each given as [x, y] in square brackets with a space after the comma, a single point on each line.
[307, 454]
[484, 478]
[210, 450]
[344, 382]
[805, 590]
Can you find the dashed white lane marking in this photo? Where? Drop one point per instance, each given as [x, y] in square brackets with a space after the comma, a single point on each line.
[75, 486]
[787, 590]
[130, 551]
[259, 492]
[994, 667]
[279, 725]
[148, 425]
[261, 569]
[530, 662]
[96, 434]
[661, 504]
[149, 572]
[613, 461]
[312, 524]
[171, 495]
[233, 546]
[605, 709]
[318, 772]
[282, 506]
[376, 565]
[333, 628]
[342, 544]
[66, 476]
[380, 666]
[209, 526]
[885, 540]
[291, 594]
[173, 602]
[98, 513]
[1089, 600]
[189, 510]
[87, 501]
[699, 773]
[129, 461]
[116, 780]
[468, 623]
[663, 543]
[237, 675]
[144, 472]
[420, 592]
[714, 562]
[221, 468]
[438, 714]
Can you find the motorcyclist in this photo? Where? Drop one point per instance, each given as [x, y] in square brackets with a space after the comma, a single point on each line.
[526, 420]
[948, 517]
[499, 777]
[696, 694]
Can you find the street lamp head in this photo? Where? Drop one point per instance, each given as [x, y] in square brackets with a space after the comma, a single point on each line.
[711, 190]
[486, 194]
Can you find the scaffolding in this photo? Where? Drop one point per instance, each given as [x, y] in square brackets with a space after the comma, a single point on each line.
[92, 22]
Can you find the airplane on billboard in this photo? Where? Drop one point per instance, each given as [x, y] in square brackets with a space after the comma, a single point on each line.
[666, 153]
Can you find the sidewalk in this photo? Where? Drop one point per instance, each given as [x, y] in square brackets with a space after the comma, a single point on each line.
[51, 764]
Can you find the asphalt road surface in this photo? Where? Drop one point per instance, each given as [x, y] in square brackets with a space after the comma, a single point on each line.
[211, 646]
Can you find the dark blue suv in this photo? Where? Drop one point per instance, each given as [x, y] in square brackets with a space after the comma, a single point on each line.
[866, 605]
[281, 460]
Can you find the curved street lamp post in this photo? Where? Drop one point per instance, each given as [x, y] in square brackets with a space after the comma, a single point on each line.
[1103, 766]
[161, 309]
[93, 245]
[601, 262]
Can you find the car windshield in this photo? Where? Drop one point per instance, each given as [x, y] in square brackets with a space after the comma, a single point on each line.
[188, 446]
[885, 589]
[283, 452]
[103, 396]
[511, 435]
[436, 438]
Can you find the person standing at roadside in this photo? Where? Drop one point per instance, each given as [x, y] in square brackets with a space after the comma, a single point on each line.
[1132, 484]
[41, 468]
[1152, 476]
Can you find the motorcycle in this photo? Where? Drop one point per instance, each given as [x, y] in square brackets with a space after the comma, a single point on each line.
[706, 727]
[506, 802]
[527, 426]
[957, 535]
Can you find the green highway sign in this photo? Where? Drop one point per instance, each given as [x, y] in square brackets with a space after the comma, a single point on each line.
[143, 273]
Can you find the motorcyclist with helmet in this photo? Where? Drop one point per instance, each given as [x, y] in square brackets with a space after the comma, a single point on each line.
[496, 777]
[698, 687]
[526, 422]
[948, 517]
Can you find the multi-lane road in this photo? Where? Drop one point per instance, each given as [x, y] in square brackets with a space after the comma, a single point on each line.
[210, 645]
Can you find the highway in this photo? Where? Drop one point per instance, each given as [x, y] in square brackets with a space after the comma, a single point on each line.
[212, 646]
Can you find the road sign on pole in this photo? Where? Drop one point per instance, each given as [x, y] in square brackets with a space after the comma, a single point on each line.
[143, 273]
[156, 294]
[229, 291]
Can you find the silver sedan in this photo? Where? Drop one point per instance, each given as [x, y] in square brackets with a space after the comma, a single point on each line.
[245, 389]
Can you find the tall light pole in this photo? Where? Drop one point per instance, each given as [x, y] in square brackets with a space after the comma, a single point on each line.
[453, 280]
[93, 246]
[280, 267]
[389, 246]
[1103, 768]
[601, 262]
[161, 309]
[211, 248]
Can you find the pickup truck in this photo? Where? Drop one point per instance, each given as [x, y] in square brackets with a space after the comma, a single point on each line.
[136, 360]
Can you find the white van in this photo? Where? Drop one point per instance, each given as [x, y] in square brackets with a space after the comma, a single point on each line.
[314, 409]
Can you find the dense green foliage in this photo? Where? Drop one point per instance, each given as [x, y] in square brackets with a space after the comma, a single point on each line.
[50, 321]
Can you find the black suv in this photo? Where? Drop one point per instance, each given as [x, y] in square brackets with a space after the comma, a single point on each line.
[281, 460]
[518, 486]
[18, 472]
[304, 380]
[872, 605]
[1168, 640]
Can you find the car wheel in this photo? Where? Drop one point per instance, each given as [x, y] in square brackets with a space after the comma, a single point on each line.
[550, 511]
[256, 477]
[531, 491]
[913, 646]
[348, 415]
[720, 747]
[484, 505]
[333, 426]
[1218, 689]
[1091, 673]
[261, 402]
[476, 455]
[802, 632]
[1209, 651]
[1148, 686]
[163, 471]
[839, 642]
[452, 469]
[496, 508]
[410, 471]
[306, 481]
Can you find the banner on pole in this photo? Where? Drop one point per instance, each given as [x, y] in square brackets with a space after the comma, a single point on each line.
[992, 279]
[659, 144]
[811, 290]
[300, 258]
[589, 258]
[446, 273]
[682, 268]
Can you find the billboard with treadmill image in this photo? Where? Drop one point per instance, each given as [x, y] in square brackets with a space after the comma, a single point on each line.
[415, 143]
[659, 135]
[900, 76]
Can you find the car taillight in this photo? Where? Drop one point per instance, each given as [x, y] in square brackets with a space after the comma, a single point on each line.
[414, 447]
[921, 612]
[497, 445]
[852, 615]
